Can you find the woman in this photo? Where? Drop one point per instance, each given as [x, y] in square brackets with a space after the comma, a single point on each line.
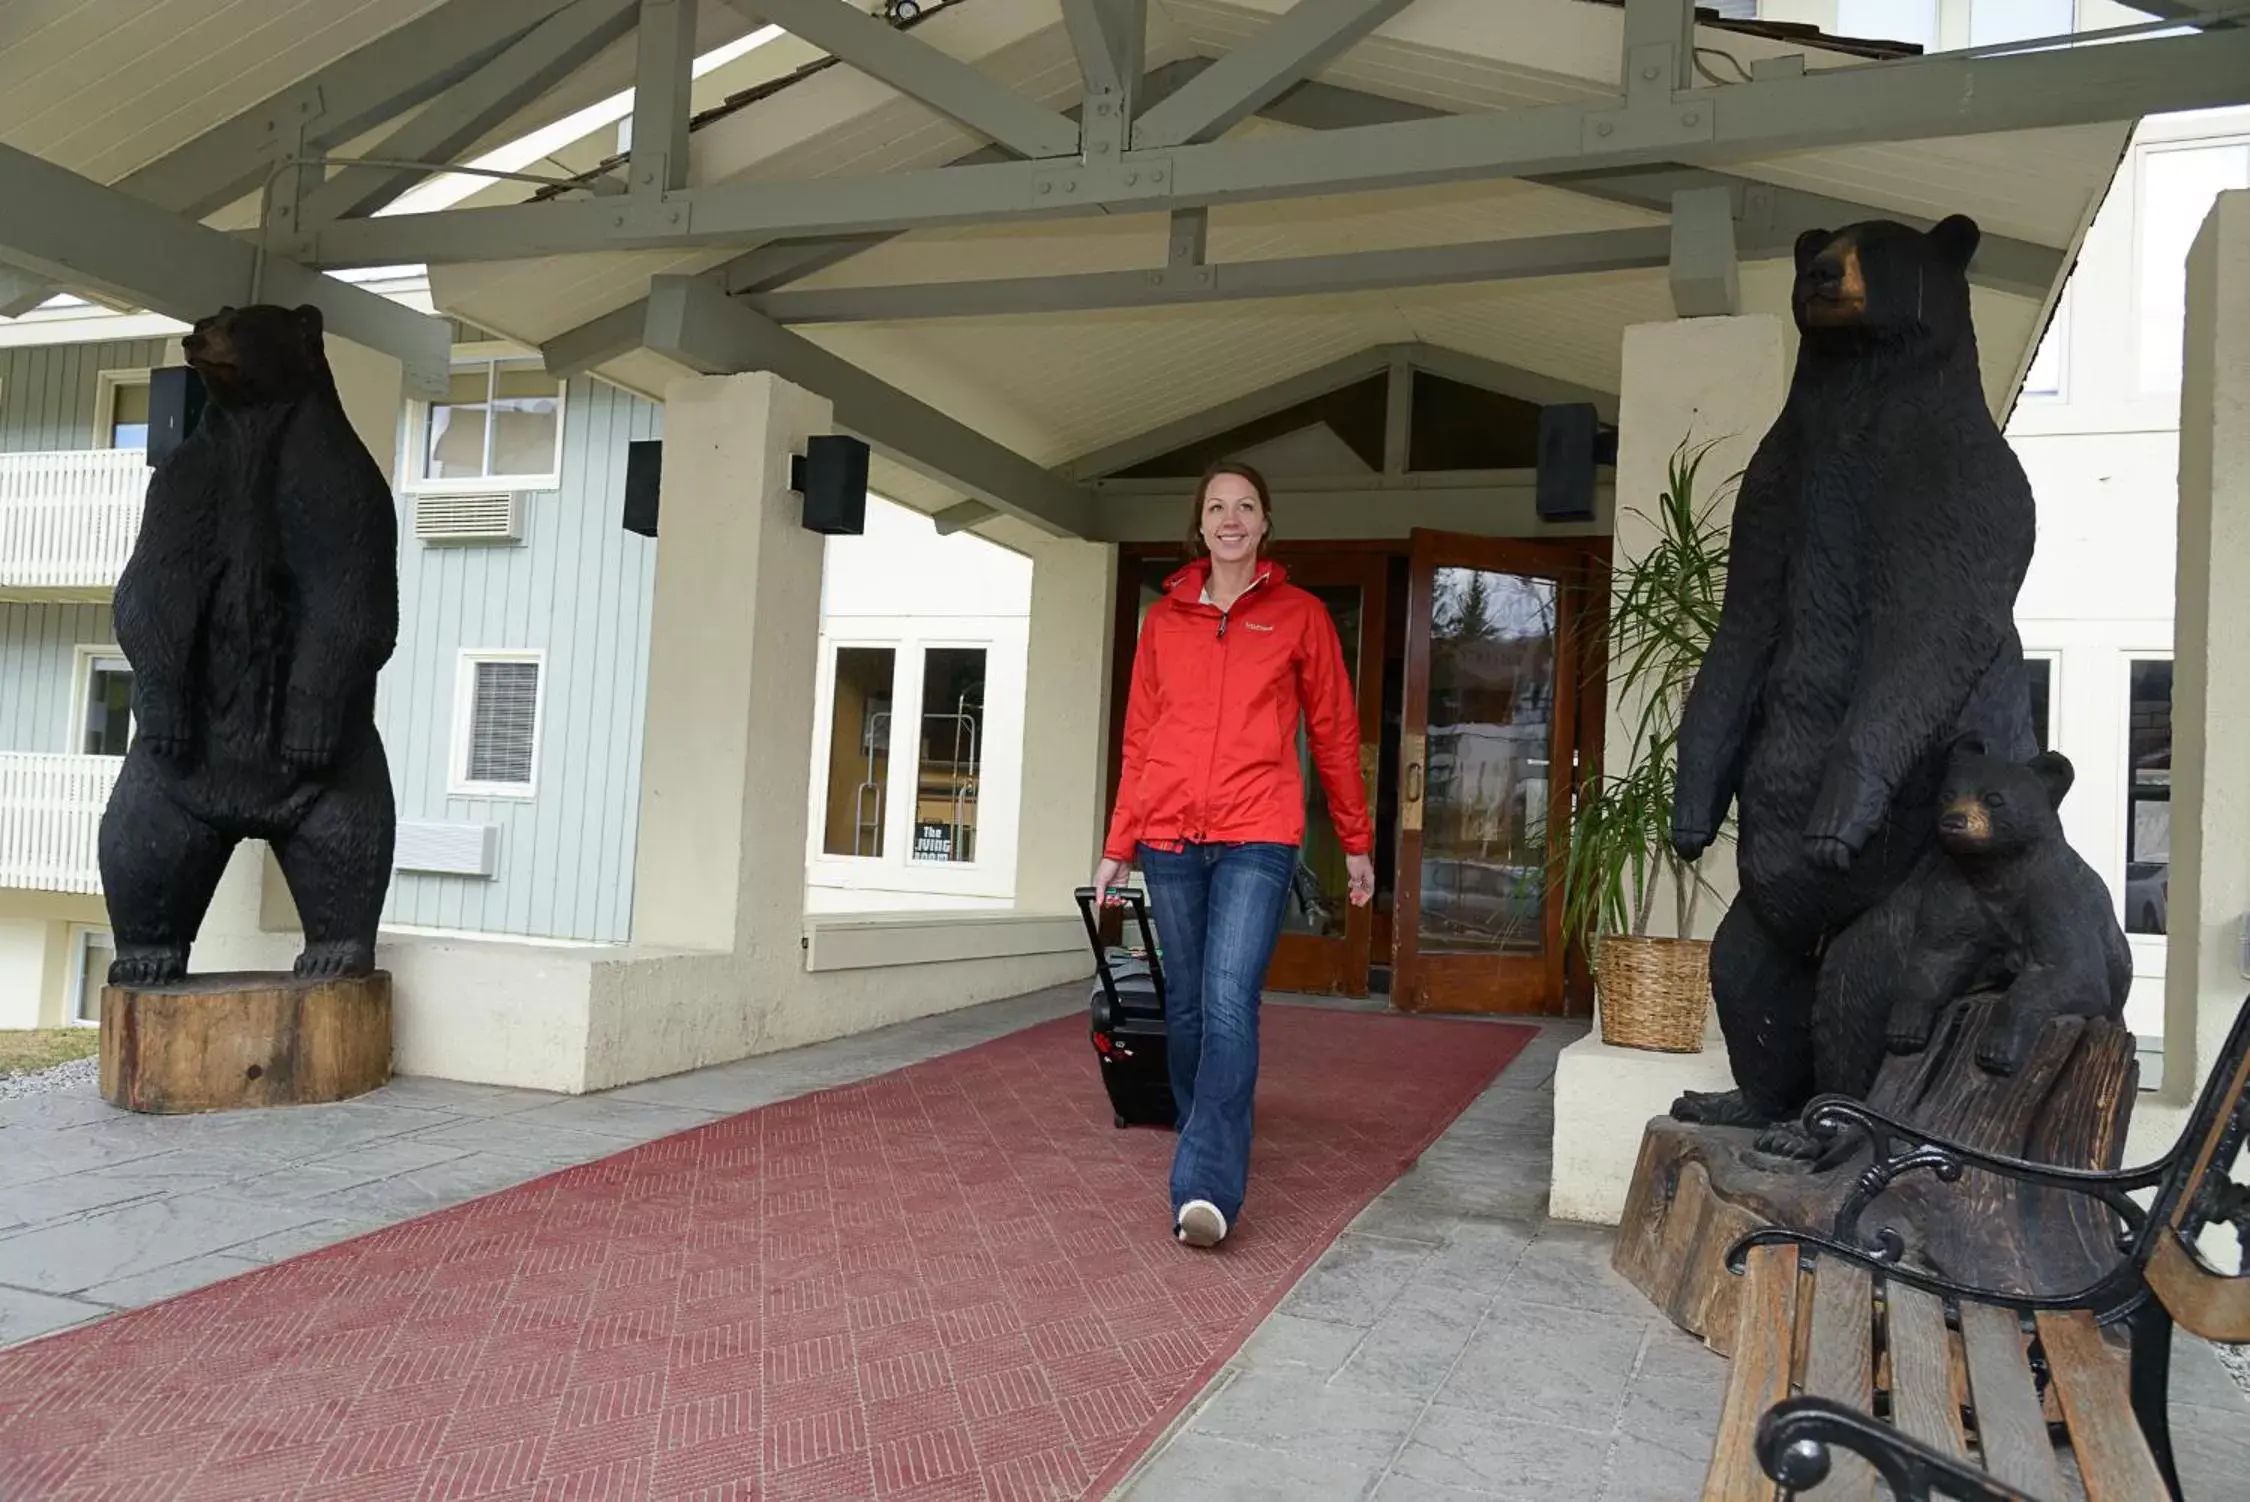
[1211, 804]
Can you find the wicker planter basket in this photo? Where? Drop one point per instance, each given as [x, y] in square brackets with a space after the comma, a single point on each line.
[1655, 993]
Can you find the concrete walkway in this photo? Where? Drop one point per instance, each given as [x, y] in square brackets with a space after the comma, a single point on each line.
[1454, 1344]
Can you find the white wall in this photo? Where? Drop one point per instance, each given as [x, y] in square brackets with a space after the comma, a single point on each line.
[2101, 446]
[902, 586]
[23, 972]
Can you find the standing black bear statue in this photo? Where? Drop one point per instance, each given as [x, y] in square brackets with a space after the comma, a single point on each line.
[2027, 907]
[1881, 533]
[260, 602]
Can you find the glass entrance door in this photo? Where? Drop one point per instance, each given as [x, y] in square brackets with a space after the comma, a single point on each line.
[1493, 672]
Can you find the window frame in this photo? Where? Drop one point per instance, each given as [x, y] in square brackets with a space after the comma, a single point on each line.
[107, 383]
[2136, 320]
[2148, 949]
[2053, 657]
[83, 658]
[489, 357]
[458, 783]
[74, 991]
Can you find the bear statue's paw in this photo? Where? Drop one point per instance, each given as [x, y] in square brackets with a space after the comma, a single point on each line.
[1910, 1027]
[1789, 1139]
[1719, 1108]
[1690, 841]
[148, 964]
[333, 959]
[172, 746]
[2004, 1042]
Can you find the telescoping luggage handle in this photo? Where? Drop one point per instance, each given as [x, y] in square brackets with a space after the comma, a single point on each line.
[1139, 904]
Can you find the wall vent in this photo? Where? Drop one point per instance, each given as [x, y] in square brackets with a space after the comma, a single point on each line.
[448, 849]
[450, 517]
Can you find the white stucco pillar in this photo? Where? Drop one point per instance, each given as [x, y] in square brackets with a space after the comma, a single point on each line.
[1719, 381]
[733, 643]
[2210, 808]
[1066, 723]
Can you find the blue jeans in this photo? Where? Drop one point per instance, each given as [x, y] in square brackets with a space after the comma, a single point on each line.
[1218, 914]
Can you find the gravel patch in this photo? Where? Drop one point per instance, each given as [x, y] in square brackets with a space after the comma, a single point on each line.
[78, 1074]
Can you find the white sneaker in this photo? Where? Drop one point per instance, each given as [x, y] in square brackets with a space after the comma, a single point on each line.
[1201, 1224]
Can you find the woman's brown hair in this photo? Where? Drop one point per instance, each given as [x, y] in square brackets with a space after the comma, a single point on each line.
[1240, 471]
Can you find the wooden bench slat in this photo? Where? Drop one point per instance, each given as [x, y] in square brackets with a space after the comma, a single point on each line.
[1922, 1371]
[2091, 1379]
[2010, 1424]
[1765, 1334]
[1840, 1365]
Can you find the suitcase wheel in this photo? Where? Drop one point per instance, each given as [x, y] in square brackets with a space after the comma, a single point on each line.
[1120, 1123]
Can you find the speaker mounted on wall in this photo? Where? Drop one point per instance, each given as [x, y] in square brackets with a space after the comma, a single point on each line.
[644, 468]
[175, 406]
[1572, 443]
[832, 477]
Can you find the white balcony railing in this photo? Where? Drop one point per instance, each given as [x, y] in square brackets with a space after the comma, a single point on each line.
[68, 519]
[51, 819]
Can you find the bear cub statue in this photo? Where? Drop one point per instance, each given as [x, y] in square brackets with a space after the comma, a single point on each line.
[2040, 914]
[260, 602]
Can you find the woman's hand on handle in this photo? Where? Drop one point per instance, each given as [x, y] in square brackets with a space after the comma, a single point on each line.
[1107, 875]
[1361, 871]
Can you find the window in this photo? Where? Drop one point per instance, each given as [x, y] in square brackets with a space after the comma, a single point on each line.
[2045, 377]
[1993, 23]
[945, 795]
[121, 409]
[500, 420]
[2040, 671]
[93, 950]
[859, 750]
[107, 724]
[2148, 797]
[2178, 185]
[1914, 21]
[496, 719]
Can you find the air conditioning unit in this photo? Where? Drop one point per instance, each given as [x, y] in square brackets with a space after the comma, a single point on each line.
[479, 517]
[438, 849]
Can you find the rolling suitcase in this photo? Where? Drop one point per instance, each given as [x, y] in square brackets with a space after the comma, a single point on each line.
[1126, 1020]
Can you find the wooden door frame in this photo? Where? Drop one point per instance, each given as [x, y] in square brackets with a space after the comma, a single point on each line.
[1551, 984]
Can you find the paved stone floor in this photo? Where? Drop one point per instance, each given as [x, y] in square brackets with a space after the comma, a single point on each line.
[1453, 1345]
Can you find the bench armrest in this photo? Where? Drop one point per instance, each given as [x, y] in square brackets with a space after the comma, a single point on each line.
[1796, 1434]
[2108, 1299]
[1899, 1148]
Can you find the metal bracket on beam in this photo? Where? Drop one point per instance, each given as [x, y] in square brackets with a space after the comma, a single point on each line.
[1690, 120]
[1135, 177]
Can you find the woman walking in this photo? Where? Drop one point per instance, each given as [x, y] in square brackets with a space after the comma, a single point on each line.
[1211, 804]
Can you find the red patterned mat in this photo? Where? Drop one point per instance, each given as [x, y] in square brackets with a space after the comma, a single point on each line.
[952, 1281]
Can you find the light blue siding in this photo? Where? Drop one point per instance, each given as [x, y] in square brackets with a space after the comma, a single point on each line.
[577, 589]
[47, 391]
[38, 664]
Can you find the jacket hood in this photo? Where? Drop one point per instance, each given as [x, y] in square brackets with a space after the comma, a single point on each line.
[1186, 586]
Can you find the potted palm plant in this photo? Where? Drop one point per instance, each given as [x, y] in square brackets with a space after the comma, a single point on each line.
[1654, 993]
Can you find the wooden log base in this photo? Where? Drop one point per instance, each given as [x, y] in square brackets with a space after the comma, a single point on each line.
[1695, 1189]
[228, 1042]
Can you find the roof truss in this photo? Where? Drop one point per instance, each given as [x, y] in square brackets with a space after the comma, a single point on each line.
[1942, 95]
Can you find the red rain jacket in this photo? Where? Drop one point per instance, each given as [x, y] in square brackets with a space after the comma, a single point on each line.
[1211, 728]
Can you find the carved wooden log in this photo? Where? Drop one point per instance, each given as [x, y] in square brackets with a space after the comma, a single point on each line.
[1696, 1188]
[223, 1042]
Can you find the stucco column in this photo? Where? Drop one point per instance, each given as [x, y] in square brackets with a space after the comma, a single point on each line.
[1716, 381]
[734, 635]
[1065, 800]
[2210, 809]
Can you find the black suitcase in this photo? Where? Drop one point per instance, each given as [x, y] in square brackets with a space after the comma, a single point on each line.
[1126, 1020]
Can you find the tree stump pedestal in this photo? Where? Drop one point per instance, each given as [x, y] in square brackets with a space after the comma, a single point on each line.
[227, 1042]
[1695, 1189]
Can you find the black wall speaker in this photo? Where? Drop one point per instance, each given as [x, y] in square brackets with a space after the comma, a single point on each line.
[1571, 443]
[175, 406]
[644, 467]
[832, 477]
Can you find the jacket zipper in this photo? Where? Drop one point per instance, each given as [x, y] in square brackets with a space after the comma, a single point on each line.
[1211, 762]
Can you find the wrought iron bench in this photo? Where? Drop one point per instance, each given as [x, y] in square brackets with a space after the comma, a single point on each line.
[1852, 1372]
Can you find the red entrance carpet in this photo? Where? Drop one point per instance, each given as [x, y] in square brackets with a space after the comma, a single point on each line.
[953, 1281]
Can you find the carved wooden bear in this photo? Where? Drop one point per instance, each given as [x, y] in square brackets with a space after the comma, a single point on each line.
[1881, 533]
[259, 604]
[2028, 906]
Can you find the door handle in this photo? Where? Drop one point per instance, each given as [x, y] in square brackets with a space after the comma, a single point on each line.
[1413, 751]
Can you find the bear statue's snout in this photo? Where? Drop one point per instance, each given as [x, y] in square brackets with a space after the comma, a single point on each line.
[1954, 822]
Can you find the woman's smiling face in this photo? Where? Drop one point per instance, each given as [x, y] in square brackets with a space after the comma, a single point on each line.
[1234, 523]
